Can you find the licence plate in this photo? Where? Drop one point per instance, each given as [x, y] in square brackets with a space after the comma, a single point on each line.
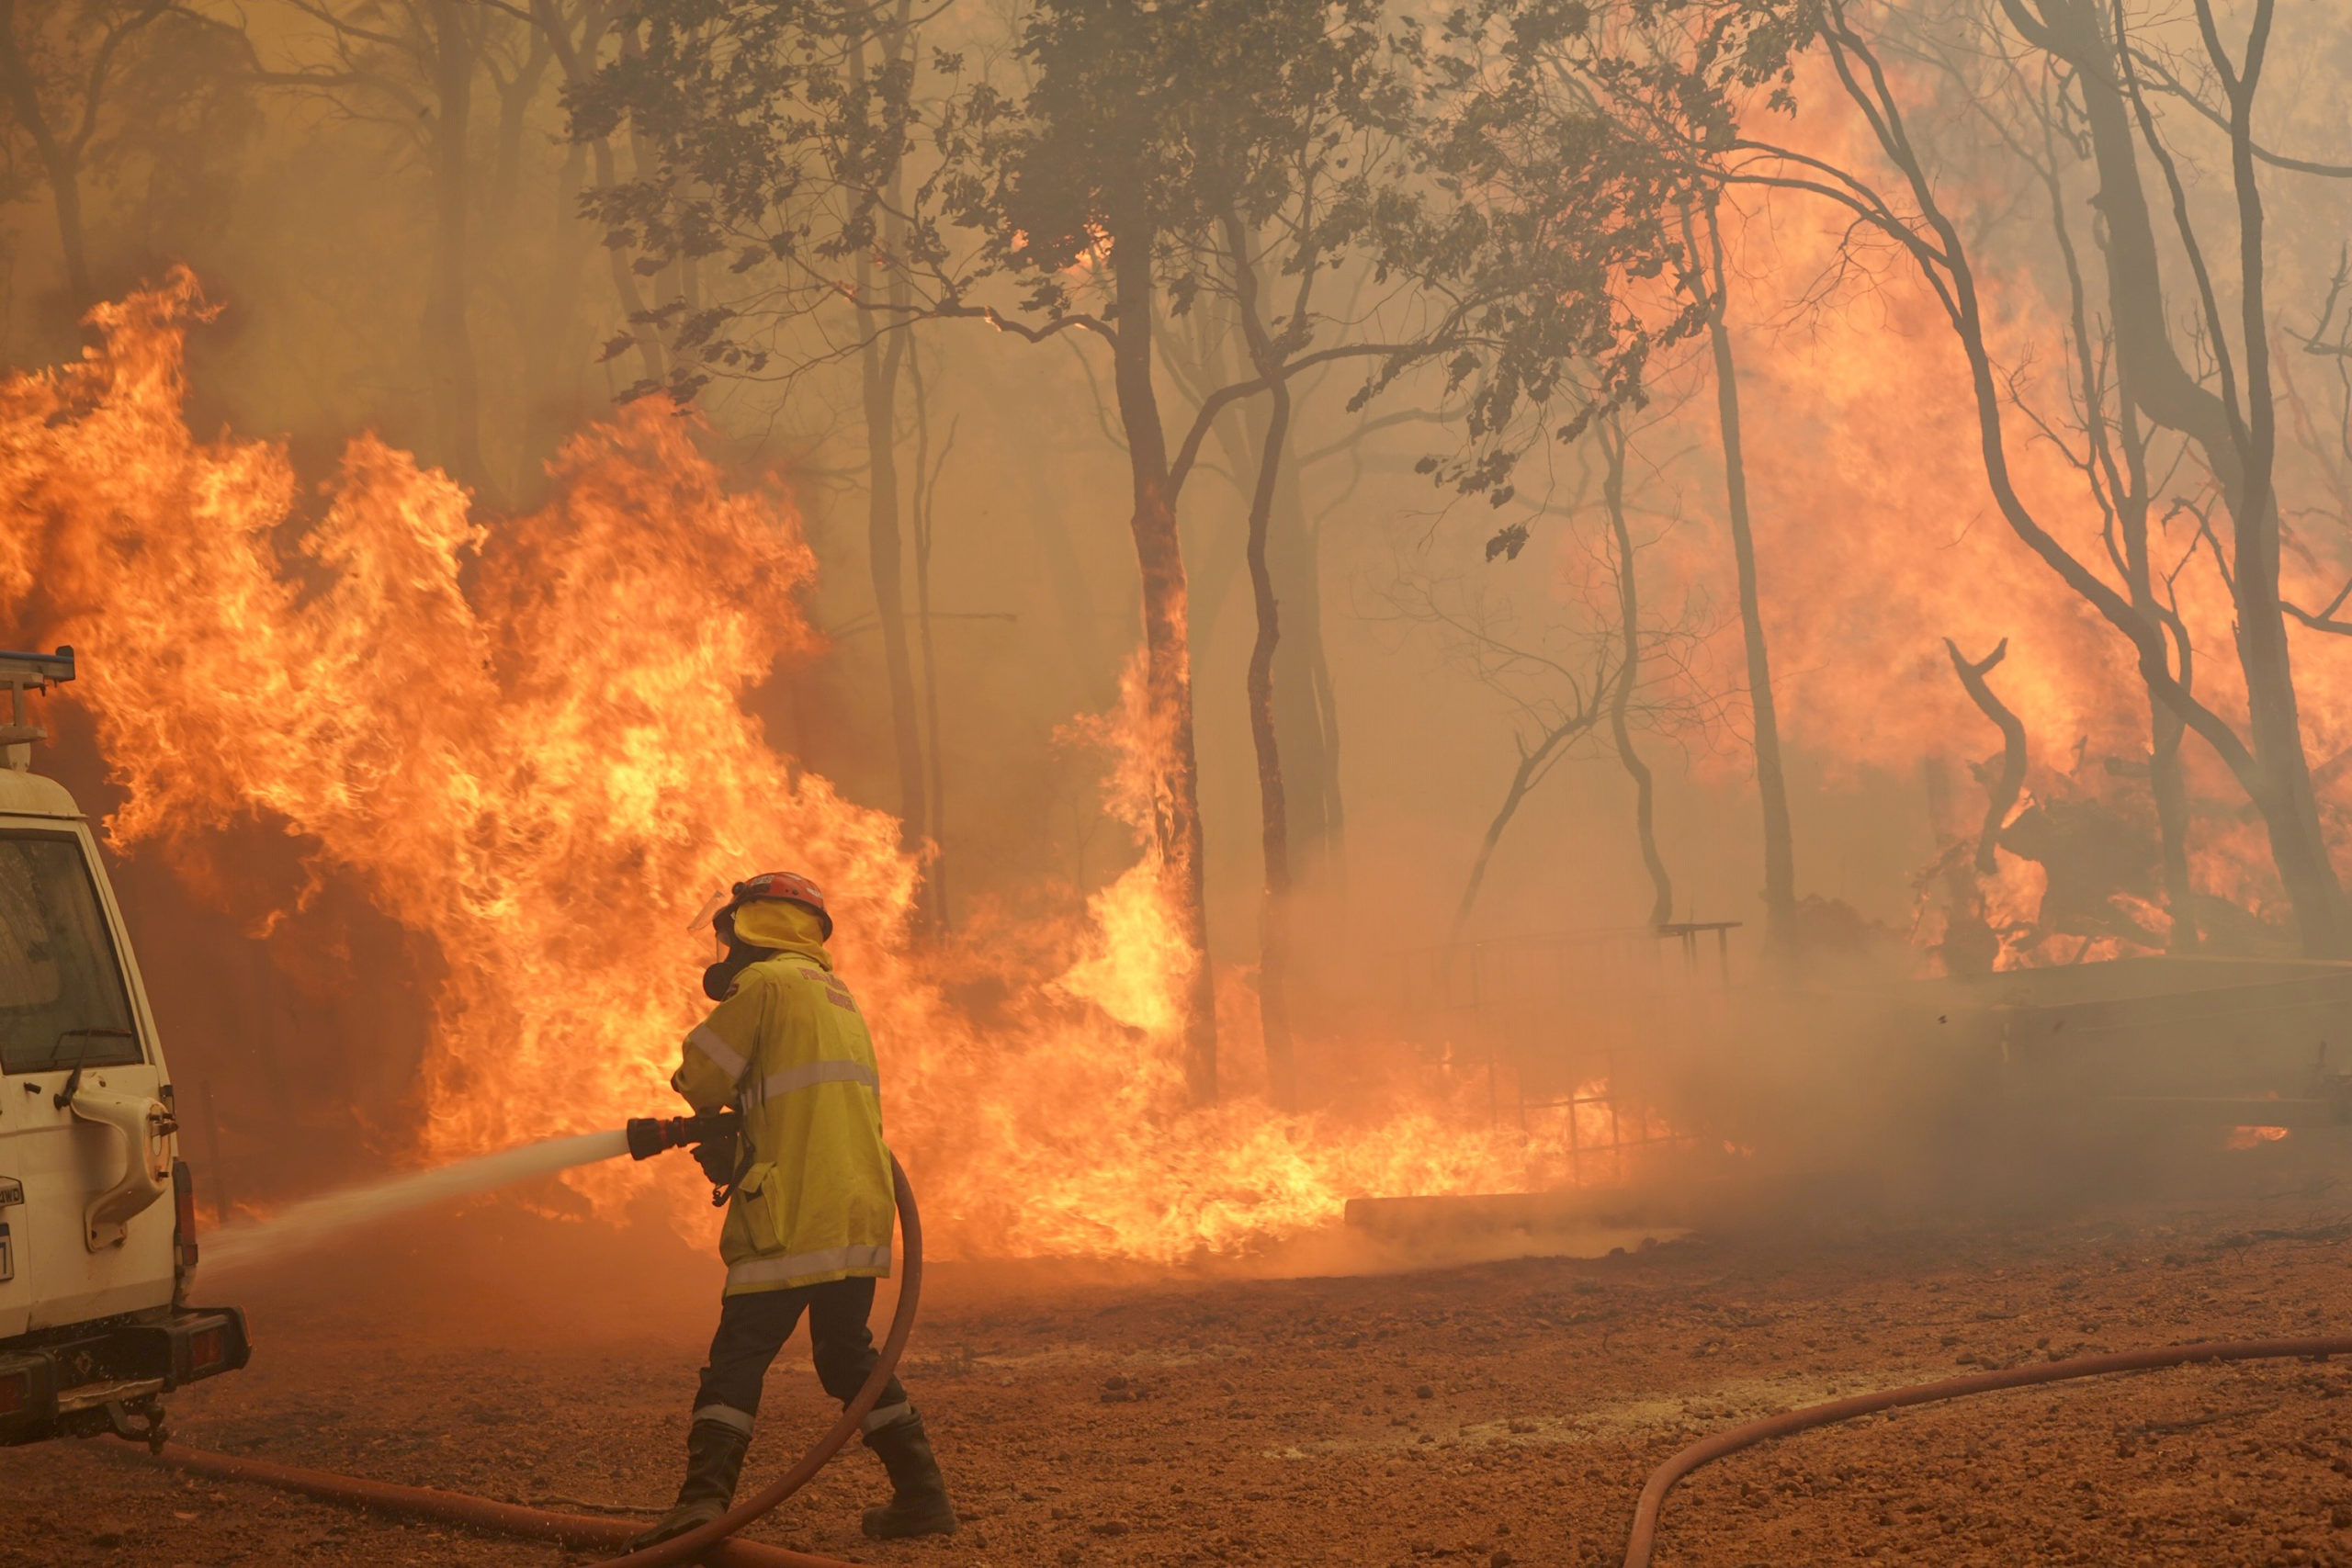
[7, 1258]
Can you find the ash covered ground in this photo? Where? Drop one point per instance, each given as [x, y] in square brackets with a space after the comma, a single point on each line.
[1487, 1413]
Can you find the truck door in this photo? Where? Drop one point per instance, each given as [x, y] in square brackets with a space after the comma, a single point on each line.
[69, 1033]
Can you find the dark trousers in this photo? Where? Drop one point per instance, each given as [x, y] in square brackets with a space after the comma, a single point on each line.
[754, 1327]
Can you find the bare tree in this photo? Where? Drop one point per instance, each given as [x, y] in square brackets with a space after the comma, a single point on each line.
[1704, 282]
[1306, 706]
[575, 37]
[2114, 460]
[885, 49]
[1566, 677]
[417, 66]
[924, 518]
[55, 67]
[75, 75]
[1273, 947]
[2107, 438]
[1611, 437]
[2234, 428]
[1543, 741]
[2324, 432]
[2233, 423]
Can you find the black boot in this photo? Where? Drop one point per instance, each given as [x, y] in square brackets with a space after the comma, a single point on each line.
[919, 1502]
[714, 1463]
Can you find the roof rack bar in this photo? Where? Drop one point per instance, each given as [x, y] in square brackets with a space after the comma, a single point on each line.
[19, 673]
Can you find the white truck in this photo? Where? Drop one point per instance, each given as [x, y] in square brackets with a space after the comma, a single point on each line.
[95, 1264]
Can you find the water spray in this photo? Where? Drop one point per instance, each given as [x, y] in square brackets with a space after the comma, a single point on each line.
[316, 1221]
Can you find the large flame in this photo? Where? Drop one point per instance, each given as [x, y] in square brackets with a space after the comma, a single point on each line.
[528, 740]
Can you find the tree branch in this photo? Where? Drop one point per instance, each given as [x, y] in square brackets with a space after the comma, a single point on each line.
[2011, 781]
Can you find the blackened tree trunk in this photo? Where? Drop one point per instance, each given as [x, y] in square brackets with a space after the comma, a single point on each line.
[1077, 609]
[1629, 618]
[1771, 782]
[547, 313]
[1168, 664]
[2168, 781]
[878, 364]
[542, 302]
[1273, 938]
[2116, 464]
[59, 165]
[2169, 784]
[558, 28]
[58, 136]
[1305, 715]
[452, 379]
[923, 515]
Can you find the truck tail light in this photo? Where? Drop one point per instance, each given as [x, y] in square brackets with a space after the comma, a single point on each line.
[206, 1349]
[183, 1230]
[15, 1391]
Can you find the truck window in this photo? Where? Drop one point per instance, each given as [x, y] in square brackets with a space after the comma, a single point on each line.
[62, 996]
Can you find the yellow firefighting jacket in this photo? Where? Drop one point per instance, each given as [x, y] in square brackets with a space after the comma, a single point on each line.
[789, 1047]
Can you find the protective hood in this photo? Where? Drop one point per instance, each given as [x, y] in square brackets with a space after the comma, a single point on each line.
[786, 926]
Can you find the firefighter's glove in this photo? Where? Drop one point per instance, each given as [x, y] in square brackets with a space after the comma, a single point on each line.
[718, 1155]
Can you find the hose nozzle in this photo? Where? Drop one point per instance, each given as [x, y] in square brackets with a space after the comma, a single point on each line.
[650, 1135]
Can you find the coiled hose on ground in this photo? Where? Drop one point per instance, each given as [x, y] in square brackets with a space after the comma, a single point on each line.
[710, 1544]
[1662, 1479]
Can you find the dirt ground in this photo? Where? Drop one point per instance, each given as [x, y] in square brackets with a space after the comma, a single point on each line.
[1485, 1414]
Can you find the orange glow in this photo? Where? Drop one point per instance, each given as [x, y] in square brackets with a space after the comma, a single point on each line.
[2253, 1138]
[528, 743]
[1877, 537]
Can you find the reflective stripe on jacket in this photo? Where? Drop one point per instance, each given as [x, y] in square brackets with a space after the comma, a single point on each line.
[790, 1047]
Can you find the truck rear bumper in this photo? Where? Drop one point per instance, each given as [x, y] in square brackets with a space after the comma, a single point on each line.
[64, 1383]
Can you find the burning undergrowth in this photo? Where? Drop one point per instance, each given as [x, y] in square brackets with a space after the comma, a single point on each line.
[526, 739]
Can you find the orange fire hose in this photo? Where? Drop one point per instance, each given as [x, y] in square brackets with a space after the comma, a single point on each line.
[1662, 1479]
[710, 1543]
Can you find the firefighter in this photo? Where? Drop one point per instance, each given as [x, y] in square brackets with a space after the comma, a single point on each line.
[808, 1224]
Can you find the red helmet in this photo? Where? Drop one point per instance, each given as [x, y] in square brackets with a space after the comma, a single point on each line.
[788, 886]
